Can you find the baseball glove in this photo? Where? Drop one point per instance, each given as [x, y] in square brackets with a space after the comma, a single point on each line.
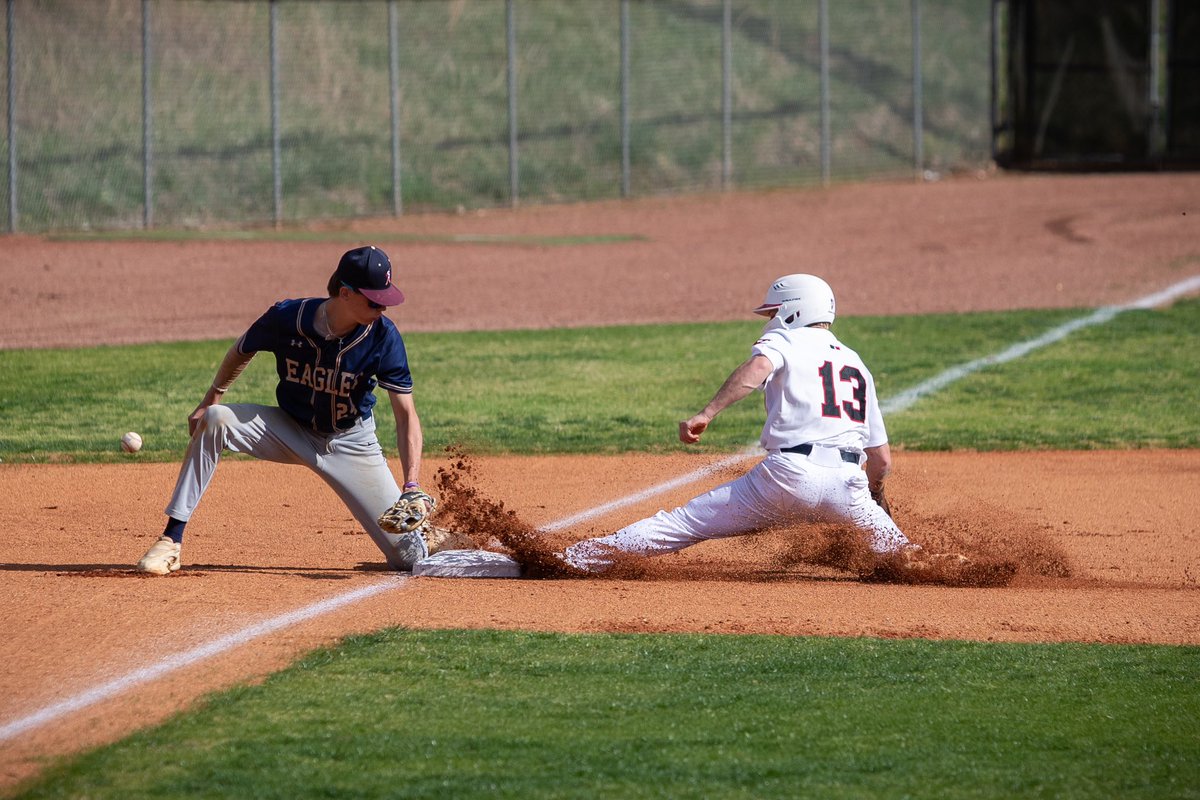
[412, 513]
[881, 500]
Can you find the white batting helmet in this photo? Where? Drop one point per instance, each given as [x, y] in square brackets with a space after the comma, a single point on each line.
[799, 300]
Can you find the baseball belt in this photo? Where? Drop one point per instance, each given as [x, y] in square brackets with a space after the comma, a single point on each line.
[849, 456]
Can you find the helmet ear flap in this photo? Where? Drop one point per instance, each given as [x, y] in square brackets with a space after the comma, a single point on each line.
[788, 313]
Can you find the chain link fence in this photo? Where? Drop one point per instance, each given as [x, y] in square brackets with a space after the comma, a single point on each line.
[125, 114]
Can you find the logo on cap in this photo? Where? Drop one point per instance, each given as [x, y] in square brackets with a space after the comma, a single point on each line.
[368, 271]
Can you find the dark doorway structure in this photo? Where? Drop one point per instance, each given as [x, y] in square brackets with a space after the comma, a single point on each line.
[1096, 84]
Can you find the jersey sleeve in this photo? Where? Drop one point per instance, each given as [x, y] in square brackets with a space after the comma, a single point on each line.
[770, 345]
[263, 333]
[394, 374]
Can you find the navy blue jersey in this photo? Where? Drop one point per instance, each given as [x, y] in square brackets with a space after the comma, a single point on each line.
[328, 384]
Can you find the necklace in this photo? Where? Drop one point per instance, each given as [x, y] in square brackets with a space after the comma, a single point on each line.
[321, 321]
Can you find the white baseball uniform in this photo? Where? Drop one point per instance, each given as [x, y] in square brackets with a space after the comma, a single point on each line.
[822, 412]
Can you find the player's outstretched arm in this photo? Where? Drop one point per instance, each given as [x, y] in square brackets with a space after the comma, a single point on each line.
[744, 379]
[410, 440]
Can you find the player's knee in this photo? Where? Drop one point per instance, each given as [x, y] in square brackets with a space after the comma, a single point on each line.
[215, 418]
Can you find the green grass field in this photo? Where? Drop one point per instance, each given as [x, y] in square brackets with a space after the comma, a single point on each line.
[508, 714]
[456, 714]
[1129, 383]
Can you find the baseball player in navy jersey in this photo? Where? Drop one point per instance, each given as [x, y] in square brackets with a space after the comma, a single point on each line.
[827, 448]
[330, 354]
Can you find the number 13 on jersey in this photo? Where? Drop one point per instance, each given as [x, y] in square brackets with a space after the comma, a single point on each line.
[856, 406]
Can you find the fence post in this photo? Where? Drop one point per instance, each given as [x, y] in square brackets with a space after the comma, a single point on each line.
[147, 124]
[624, 98]
[726, 94]
[275, 146]
[510, 27]
[823, 34]
[394, 94]
[995, 64]
[10, 15]
[1154, 140]
[918, 99]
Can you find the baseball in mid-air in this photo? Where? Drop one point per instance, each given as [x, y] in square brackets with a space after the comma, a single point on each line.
[131, 442]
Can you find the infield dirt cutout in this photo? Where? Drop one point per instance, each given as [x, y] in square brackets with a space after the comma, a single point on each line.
[1107, 542]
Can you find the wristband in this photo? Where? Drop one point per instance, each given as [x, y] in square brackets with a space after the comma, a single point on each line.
[412, 485]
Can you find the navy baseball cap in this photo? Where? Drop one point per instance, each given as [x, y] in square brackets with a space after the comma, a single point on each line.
[369, 271]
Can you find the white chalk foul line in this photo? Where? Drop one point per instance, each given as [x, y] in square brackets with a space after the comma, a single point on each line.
[674, 483]
[897, 403]
[188, 658]
[906, 398]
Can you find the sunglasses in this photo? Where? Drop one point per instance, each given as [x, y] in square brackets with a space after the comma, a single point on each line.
[370, 302]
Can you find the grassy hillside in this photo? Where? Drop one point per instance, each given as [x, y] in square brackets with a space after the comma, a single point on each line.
[80, 155]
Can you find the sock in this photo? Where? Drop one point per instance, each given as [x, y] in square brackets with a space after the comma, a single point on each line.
[174, 530]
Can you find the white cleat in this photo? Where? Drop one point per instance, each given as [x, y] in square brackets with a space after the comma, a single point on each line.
[951, 560]
[162, 557]
[914, 557]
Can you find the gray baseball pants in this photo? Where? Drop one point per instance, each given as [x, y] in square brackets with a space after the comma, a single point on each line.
[351, 462]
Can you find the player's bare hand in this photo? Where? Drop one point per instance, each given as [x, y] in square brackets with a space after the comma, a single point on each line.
[690, 430]
[198, 414]
[194, 419]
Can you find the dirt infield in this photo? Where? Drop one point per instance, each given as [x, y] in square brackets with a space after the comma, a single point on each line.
[1108, 544]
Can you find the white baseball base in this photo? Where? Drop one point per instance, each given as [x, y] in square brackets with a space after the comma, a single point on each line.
[467, 564]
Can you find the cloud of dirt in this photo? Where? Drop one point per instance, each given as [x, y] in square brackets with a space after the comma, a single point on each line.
[987, 533]
[464, 508]
[831, 550]
[998, 544]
